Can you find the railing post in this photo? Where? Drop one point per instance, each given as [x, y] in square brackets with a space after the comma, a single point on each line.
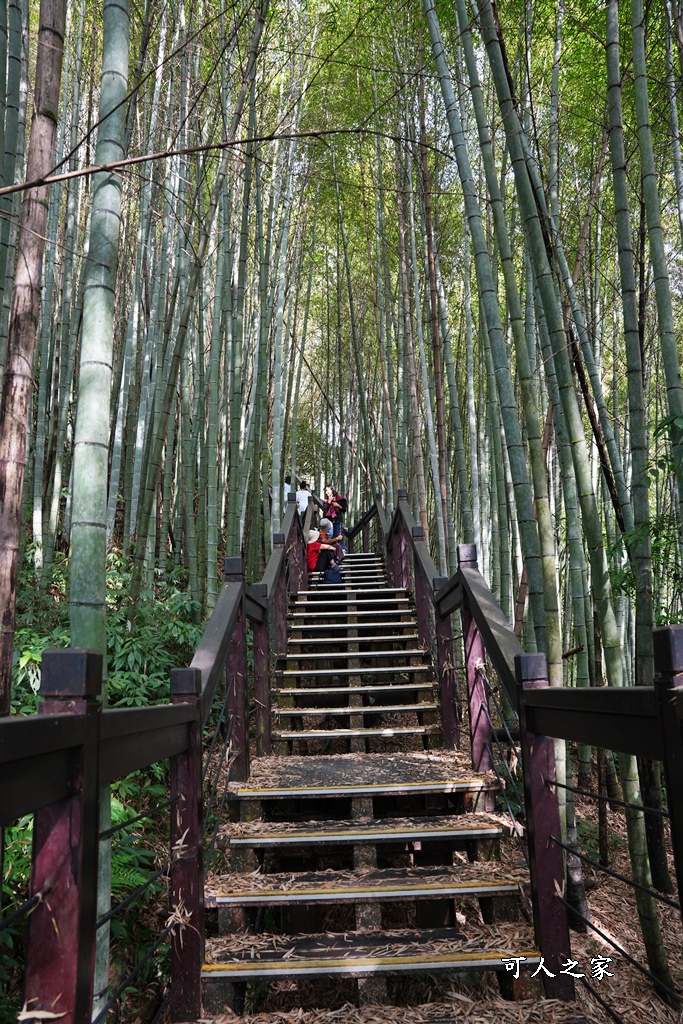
[236, 668]
[668, 652]
[480, 726]
[389, 561]
[402, 554]
[546, 861]
[262, 678]
[60, 951]
[298, 569]
[280, 601]
[187, 855]
[446, 670]
[423, 603]
[382, 542]
[365, 534]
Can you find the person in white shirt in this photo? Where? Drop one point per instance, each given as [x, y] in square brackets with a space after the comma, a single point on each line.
[288, 487]
[303, 496]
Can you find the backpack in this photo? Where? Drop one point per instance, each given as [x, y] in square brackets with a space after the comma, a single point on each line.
[332, 575]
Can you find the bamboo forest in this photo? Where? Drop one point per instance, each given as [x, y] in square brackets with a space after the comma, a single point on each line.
[341, 511]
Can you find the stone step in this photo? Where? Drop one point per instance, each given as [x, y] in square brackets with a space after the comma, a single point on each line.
[389, 638]
[335, 624]
[374, 886]
[313, 596]
[374, 709]
[341, 733]
[493, 1010]
[436, 828]
[352, 597]
[378, 885]
[344, 775]
[415, 652]
[335, 613]
[357, 954]
[295, 673]
[400, 688]
[330, 588]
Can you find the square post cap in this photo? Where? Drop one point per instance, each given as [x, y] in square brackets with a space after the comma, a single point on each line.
[531, 670]
[186, 682]
[668, 649]
[232, 567]
[71, 673]
[467, 554]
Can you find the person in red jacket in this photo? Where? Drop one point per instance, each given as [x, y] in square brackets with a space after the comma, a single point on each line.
[319, 555]
[334, 507]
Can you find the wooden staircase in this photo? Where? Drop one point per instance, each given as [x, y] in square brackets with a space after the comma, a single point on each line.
[363, 848]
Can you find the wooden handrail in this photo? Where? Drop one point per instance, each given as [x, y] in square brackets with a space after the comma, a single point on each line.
[502, 645]
[381, 517]
[365, 520]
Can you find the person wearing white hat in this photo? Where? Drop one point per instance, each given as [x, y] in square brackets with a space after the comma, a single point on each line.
[319, 554]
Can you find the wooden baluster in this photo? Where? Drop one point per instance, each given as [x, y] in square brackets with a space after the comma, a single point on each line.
[187, 845]
[423, 601]
[543, 821]
[296, 554]
[404, 574]
[365, 533]
[236, 679]
[480, 726]
[668, 651]
[280, 600]
[446, 670]
[60, 951]
[262, 679]
[381, 540]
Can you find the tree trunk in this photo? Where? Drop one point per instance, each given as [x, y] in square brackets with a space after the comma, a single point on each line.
[17, 380]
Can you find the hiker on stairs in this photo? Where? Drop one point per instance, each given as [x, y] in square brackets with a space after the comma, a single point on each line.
[319, 554]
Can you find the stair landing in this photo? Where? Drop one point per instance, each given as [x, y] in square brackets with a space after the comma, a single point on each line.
[434, 771]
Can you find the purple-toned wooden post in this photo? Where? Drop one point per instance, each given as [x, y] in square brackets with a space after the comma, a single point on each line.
[262, 678]
[236, 669]
[543, 821]
[296, 553]
[402, 551]
[390, 561]
[187, 872]
[423, 601]
[61, 929]
[668, 651]
[480, 727]
[444, 659]
[381, 545]
[280, 601]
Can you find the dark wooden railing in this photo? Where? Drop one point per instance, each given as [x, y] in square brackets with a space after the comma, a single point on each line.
[643, 721]
[53, 765]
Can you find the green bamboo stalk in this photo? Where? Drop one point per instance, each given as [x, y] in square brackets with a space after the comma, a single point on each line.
[489, 309]
[665, 323]
[591, 520]
[173, 362]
